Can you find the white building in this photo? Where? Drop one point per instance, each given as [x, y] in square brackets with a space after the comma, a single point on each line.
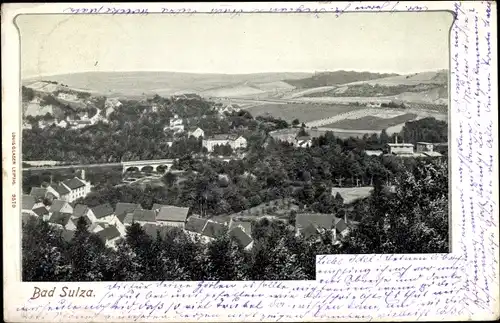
[198, 132]
[234, 141]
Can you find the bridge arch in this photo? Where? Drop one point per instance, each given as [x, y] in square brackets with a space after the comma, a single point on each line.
[130, 169]
[148, 168]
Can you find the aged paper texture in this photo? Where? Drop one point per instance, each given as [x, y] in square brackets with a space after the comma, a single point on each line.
[180, 162]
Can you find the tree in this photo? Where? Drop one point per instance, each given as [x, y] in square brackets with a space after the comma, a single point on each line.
[295, 122]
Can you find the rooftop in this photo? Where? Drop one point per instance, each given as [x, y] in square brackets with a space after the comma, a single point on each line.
[213, 229]
[195, 224]
[80, 210]
[74, 183]
[59, 188]
[144, 215]
[102, 210]
[324, 221]
[172, 213]
[60, 218]
[57, 205]
[241, 237]
[27, 202]
[109, 233]
[38, 192]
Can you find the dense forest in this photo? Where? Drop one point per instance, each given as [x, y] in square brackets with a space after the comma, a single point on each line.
[413, 219]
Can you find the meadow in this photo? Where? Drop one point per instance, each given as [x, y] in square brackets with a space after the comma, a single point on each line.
[371, 122]
[304, 112]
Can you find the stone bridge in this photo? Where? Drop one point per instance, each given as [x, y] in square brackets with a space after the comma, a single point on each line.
[142, 164]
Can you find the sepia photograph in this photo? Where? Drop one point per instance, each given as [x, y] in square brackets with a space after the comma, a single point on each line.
[230, 148]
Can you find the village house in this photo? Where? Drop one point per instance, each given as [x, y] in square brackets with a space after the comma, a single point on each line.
[58, 191]
[81, 210]
[27, 125]
[197, 132]
[311, 224]
[234, 141]
[110, 236]
[79, 188]
[427, 149]
[246, 226]
[213, 229]
[172, 216]
[62, 220]
[400, 149]
[176, 124]
[303, 142]
[38, 193]
[60, 206]
[41, 211]
[122, 209]
[242, 238]
[103, 213]
[194, 228]
[27, 204]
[141, 217]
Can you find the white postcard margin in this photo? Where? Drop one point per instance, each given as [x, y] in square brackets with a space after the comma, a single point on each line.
[463, 285]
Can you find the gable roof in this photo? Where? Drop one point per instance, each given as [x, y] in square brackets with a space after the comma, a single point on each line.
[246, 225]
[241, 237]
[324, 221]
[38, 192]
[57, 205]
[129, 218]
[27, 202]
[124, 208]
[213, 229]
[67, 235]
[351, 194]
[195, 224]
[41, 211]
[60, 218]
[80, 210]
[157, 207]
[144, 215]
[172, 213]
[340, 224]
[74, 183]
[223, 137]
[109, 233]
[309, 231]
[59, 188]
[102, 210]
[93, 226]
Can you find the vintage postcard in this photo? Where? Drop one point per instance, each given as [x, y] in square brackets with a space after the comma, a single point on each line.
[179, 162]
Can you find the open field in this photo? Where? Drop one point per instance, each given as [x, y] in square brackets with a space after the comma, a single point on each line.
[371, 122]
[303, 112]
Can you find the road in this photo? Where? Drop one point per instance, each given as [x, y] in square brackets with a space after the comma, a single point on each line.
[72, 166]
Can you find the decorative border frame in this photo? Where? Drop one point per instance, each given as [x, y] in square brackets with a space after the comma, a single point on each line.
[462, 285]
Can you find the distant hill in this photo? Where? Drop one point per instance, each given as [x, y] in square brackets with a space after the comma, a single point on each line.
[163, 83]
[425, 87]
[334, 78]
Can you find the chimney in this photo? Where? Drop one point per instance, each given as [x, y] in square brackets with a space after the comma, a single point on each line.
[396, 139]
[51, 177]
[345, 217]
[83, 174]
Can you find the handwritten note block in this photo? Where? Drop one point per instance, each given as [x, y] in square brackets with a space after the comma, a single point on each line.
[462, 285]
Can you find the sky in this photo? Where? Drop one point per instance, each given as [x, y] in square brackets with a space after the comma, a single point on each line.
[251, 43]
